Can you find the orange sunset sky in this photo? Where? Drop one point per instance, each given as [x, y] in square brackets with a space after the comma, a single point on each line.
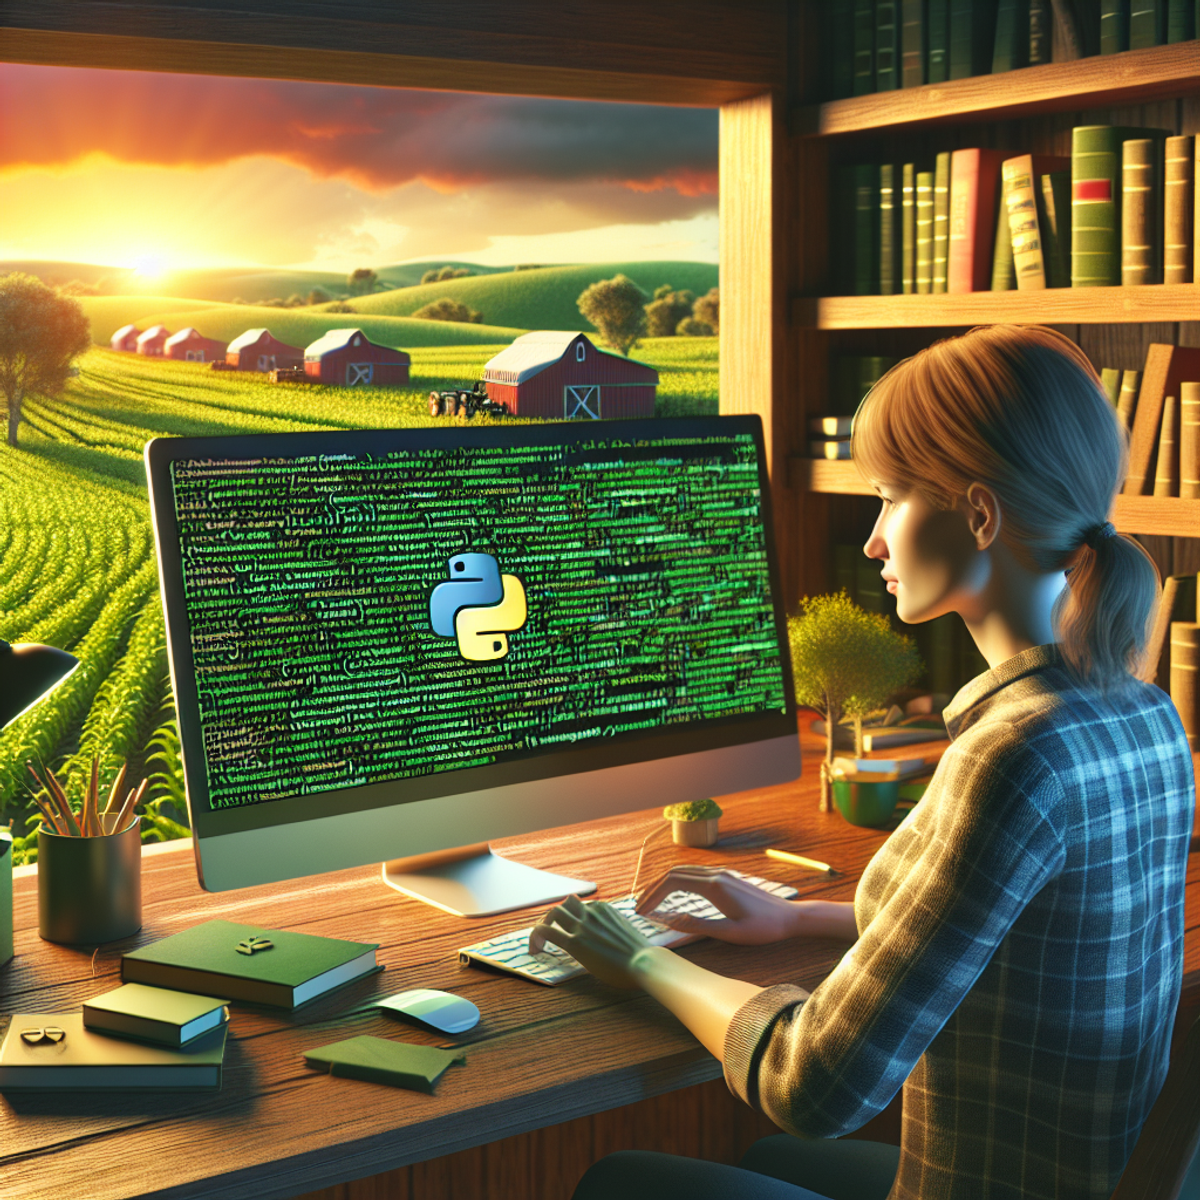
[132, 169]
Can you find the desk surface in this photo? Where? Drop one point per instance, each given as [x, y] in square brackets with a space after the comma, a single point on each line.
[539, 1056]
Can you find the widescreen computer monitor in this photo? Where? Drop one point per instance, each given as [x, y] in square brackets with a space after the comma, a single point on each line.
[395, 645]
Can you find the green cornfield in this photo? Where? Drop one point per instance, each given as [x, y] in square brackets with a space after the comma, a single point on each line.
[77, 567]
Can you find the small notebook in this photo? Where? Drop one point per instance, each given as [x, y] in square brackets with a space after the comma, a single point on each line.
[378, 1060]
[58, 1052]
[152, 1014]
[552, 966]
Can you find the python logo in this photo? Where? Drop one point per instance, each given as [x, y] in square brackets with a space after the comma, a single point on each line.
[478, 606]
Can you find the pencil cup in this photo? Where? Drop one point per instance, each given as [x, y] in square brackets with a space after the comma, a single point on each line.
[6, 897]
[89, 888]
[866, 802]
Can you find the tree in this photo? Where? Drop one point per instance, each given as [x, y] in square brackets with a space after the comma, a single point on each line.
[362, 281]
[846, 662]
[708, 309]
[447, 309]
[295, 300]
[690, 327]
[319, 296]
[41, 333]
[440, 274]
[614, 307]
[666, 310]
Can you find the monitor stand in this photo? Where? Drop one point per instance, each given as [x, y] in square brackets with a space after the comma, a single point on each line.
[472, 881]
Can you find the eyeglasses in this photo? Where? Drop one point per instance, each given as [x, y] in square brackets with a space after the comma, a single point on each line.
[51, 1033]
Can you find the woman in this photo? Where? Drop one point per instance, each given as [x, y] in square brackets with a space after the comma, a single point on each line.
[1019, 937]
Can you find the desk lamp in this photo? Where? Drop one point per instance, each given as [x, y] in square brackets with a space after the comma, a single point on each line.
[27, 673]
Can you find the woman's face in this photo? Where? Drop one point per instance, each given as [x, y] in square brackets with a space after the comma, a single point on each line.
[932, 562]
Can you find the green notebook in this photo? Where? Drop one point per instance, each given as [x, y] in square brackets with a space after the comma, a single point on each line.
[246, 962]
[151, 1014]
[58, 1052]
[378, 1060]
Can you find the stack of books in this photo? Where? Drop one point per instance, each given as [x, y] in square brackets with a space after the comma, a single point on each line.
[852, 376]
[1173, 650]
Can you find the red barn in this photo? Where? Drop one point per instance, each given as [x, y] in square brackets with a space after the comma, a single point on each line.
[261, 350]
[126, 338]
[552, 373]
[347, 356]
[151, 342]
[189, 345]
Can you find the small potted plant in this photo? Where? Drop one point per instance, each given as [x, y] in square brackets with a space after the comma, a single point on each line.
[694, 823]
[846, 662]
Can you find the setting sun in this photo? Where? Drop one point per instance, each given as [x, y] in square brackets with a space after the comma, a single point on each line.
[150, 267]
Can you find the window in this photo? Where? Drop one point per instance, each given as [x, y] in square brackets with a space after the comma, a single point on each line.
[358, 373]
[580, 352]
[581, 402]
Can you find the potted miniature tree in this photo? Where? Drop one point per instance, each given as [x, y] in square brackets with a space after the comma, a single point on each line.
[846, 662]
[694, 823]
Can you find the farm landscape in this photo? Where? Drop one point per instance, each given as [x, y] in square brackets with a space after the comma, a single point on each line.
[77, 565]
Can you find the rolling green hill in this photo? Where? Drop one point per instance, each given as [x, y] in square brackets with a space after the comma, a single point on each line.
[543, 298]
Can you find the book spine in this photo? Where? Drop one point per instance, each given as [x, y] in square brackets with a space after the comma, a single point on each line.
[887, 59]
[206, 983]
[1068, 39]
[1178, 209]
[864, 47]
[1166, 366]
[1039, 32]
[1181, 21]
[1003, 268]
[972, 34]
[839, 15]
[1166, 471]
[924, 232]
[1127, 397]
[1020, 201]
[1196, 196]
[866, 230]
[1189, 440]
[1094, 160]
[974, 180]
[835, 449]
[941, 221]
[1012, 41]
[1114, 26]
[830, 427]
[908, 234]
[1147, 23]
[888, 211]
[1110, 380]
[912, 43]
[1138, 206]
[1055, 195]
[1185, 677]
[937, 14]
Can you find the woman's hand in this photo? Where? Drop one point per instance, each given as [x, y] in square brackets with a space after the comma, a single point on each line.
[601, 939]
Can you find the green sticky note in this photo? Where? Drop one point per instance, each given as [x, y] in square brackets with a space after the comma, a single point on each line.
[378, 1060]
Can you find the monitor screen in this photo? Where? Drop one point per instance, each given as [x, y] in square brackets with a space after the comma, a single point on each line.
[389, 642]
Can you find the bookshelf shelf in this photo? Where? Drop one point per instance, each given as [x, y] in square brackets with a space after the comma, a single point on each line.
[1167, 516]
[1134, 77]
[1055, 306]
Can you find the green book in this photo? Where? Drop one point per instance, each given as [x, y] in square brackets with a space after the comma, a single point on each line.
[839, 37]
[1114, 26]
[889, 232]
[912, 43]
[1004, 274]
[941, 221]
[864, 47]
[59, 1053]
[866, 230]
[908, 230]
[1141, 211]
[1040, 24]
[151, 1014]
[1011, 49]
[245, 962]
[380, 1060]
[1181, 21]
[1147, 23]
[972, 36]
[924, 232]
[1055, 218]
[1110, 380]
[887, 46]
[937, 41]
[1131, 383]
[1096, 201]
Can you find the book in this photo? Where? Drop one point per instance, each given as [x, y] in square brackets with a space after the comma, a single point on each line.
[294, 969]
[1178, 206]
[1011, 47]
[1026, 215]
[1141, 197]
[830, 448]
[1114, 26]
[1004, 277]
[1166, 367]
[1131, 382]
[937, 41]
[381, 1060]
[1189, 440]
[974, 200]
[912, 43]
[908, 230]
[941, 221]
[889, 232]
[888, 768]
[1056, 228]
[1096, 201]
[1185, 677]
[972, 35]
[82, 1060]
[1067, 37]
[839, 37]
[1196, 200]
[1040, 19]
[908, 732]
[864, 47]
[830, 427]
[866, 230]
[1147, 23]
[1177, 603]
[1166, 467]
[924, 233]
[887, 46]
[151, 1014]
[1110, 381]
[1181, 21]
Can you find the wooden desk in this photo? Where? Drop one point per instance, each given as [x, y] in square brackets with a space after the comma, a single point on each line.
[540, 1057]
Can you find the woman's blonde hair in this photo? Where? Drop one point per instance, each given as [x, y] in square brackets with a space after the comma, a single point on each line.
[1021, 410]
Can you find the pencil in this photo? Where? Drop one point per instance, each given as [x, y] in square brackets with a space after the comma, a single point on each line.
[800, 861]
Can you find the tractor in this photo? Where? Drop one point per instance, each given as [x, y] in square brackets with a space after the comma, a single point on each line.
[464, 402]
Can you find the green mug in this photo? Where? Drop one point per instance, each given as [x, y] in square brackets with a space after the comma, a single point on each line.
[866, 802]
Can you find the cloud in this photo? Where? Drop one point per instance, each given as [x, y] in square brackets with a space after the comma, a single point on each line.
[375, 139]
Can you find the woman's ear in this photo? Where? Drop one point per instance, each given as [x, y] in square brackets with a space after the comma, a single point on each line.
[982, 511]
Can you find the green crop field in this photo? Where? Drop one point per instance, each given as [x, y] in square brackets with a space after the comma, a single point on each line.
[77, 565]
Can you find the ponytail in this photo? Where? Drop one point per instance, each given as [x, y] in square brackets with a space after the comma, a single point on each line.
[1021, 410]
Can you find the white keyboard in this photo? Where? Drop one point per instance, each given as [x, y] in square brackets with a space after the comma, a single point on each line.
[552, 966]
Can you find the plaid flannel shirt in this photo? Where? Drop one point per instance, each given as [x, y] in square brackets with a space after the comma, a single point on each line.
[1020, 952]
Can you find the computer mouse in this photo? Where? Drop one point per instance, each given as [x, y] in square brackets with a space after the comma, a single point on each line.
[441, 1010]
